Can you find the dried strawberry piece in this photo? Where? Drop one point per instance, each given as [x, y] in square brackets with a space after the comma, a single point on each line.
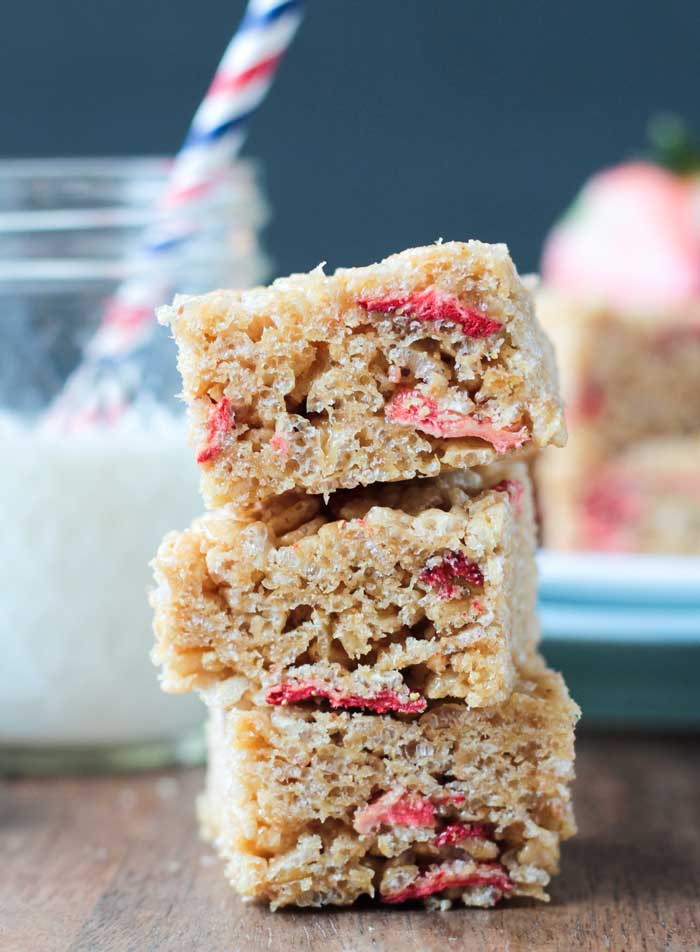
[444, 574]
[611, 508]
[433, 305]
[395, 808]
[590, 402]
[436, 878]
[514, 488]
[383, 702]
[456, 832]
[447, 797]
[220, 420]
[279, 445]
[678, 335]
[292, 693]
[409, 407]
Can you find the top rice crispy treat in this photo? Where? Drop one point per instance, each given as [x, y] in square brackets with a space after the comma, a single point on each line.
[430, 360]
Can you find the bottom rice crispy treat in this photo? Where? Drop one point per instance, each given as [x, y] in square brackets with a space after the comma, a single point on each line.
[312, 807]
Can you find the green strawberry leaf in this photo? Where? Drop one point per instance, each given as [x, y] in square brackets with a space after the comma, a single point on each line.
[672, 144]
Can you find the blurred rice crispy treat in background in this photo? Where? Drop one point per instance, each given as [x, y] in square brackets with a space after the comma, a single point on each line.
[629, 479]
[644, 499]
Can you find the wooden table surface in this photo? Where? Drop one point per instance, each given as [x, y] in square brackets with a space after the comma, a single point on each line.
[96, 864]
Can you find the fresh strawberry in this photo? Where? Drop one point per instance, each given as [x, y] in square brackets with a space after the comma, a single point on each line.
[631, 240]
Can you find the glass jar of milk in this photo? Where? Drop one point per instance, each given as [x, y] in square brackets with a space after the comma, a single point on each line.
[83, 507]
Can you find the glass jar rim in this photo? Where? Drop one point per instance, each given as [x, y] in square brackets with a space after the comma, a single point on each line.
[54, 167]
[113, 216]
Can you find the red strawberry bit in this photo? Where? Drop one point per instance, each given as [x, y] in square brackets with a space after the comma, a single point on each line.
[293, 692]
[678, 335]
[445, 574]
[456, 832]
[279, 445]
[514, 488]
[433, 305]
[395, 808]
[449, 797]
[437, 878]
[590, 402]
[478, 606]
[611, 508]
[220, 420]
[408, 407]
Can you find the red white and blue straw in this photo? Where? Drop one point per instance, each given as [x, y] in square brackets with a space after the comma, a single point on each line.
[240, 84]
[217, 132]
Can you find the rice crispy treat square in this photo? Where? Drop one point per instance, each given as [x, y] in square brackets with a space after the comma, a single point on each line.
[313, 807]
[624, 376]
[643, 499]
[428, 361]
[379, 600]
[628, 478]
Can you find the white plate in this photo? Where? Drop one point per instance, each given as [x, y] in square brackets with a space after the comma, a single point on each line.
[631, 580]
[619, 623]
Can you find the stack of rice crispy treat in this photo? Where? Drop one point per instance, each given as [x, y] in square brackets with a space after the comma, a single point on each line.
[357, 607]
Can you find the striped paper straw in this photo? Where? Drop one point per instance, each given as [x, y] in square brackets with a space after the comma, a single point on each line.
[239, 85]
[215, 137]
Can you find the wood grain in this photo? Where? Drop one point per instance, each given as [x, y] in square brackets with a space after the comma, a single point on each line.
[97, 864]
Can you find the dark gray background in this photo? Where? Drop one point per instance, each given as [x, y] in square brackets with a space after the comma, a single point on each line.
[393, 122]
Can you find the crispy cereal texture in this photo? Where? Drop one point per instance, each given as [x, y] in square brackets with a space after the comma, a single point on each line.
[379, 600]
[312, 807]
[430, 360]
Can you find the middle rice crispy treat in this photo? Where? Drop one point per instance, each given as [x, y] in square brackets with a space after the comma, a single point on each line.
[376, 601]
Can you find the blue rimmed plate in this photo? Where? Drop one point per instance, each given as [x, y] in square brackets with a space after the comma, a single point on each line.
[626, 579]
[625, 631]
